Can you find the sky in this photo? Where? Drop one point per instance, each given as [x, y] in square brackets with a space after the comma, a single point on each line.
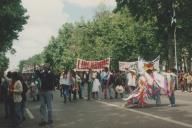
[46, 17]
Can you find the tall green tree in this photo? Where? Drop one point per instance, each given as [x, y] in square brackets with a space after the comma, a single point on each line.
[36, 60]
[163, 13]
[116, 35]
[3, 63]
[12, 18]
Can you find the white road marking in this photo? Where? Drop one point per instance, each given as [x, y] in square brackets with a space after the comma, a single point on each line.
[29, 113]
[148, 114]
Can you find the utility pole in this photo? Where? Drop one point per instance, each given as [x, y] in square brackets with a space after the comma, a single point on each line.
[173, 25]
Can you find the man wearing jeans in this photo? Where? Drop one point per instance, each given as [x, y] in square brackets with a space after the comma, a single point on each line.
[170, 81]
[46, 96]
[90, 84]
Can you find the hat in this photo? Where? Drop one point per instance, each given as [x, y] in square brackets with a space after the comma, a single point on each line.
[119, 89]
[148, 66]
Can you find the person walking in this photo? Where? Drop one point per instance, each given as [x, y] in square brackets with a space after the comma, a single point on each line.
[181, 81]
[171, 81]
[67, 85]
[24, 97]
[16, 90]
[189, 82]
[90, 84]
[6, 99]
[46, 96]
[108, 83]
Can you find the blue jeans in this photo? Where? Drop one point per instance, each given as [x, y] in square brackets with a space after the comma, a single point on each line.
[46, 99]
[109, 90]
[67, 92]
[7, 106]
[23, 106]
[17, 114]
[89, 89]
[81, 87]
[172, 99]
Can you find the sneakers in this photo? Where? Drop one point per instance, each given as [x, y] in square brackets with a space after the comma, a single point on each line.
[172, 105]
[50, 122]
[42, 123]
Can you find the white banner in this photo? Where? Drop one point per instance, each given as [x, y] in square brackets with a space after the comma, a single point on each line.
[155, 63]
[128, 65]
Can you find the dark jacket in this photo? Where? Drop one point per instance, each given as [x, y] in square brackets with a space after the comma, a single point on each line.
[4, 87]
[47, 81]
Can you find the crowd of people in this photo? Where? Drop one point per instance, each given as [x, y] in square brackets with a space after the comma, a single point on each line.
[104, 84]
[185, 81]
[108, 84]
[14, 88]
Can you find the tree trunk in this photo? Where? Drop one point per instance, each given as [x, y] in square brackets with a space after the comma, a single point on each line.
[171, 44]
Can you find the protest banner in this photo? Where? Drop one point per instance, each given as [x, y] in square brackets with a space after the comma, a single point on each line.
[127, 65]
[84, 65]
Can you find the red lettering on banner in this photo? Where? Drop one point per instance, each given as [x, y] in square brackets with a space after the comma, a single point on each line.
[83, 64]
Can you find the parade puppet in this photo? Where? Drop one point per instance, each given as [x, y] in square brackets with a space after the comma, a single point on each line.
[149, 85]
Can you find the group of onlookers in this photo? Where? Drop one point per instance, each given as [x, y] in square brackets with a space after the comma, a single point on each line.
[72, 84]
[14, 91]
[185, 81]
[110, 83]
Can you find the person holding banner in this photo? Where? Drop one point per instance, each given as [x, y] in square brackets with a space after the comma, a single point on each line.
[108, 83]
[90, 84]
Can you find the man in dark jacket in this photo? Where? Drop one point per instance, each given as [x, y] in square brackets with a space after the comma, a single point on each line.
[46, 95]
[6, 98]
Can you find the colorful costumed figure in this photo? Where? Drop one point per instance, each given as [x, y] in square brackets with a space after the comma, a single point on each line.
[149, 85]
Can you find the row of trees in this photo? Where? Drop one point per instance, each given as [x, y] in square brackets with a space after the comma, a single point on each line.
[115, 35]
[165, 12]
[12, 18]
[135, 28]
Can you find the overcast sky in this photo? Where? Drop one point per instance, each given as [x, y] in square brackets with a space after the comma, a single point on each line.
[46, 17]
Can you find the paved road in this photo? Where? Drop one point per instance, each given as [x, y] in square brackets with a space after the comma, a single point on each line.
[112, 114]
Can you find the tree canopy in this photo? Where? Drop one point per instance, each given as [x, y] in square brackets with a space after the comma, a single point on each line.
[12, 18]
[135, 28]
[163, 13]
[116, 35]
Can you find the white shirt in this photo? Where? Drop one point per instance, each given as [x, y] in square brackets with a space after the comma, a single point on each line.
[131, 80]
[96, 85]
[18, 89]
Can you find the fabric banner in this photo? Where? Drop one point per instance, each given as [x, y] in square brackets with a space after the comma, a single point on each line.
[128, 65]
[95, 65]
[155, 63]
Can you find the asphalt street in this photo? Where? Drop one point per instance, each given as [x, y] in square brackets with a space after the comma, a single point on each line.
[111, 114]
